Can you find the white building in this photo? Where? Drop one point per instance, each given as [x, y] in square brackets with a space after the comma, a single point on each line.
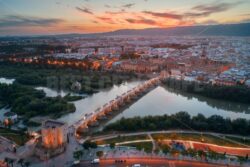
[10, 116]
[78, 56]
[143, 50]
[109, 51]
[86, 51]
[247, 83]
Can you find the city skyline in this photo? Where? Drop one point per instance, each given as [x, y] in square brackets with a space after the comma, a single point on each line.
[26, 17]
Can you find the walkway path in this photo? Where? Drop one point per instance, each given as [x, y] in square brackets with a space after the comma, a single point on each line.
[105, 137]
[153, 141]
[192, 144]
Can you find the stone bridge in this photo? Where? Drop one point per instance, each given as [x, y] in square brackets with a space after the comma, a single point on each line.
[114, 105]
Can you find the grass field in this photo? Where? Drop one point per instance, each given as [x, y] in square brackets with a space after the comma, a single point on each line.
[240, 140]
[146, 146]
[196, 137]
[122, 139]
[1, 105]
[18, 137]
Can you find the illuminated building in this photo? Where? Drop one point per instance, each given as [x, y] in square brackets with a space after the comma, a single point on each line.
[54, 134]
[53, 140]
[139, 66]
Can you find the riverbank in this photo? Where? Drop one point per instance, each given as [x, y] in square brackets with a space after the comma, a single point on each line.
[229, 93]
[63, 78]
[28, 102]
[182, 120]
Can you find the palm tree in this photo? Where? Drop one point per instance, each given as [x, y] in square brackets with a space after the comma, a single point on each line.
[7, 161]
[11, 161]
[99, 154]
[112, 145]
[78, 154]
[27, 164]
[20, 161]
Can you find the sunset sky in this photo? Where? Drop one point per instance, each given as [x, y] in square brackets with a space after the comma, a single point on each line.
[30, 17]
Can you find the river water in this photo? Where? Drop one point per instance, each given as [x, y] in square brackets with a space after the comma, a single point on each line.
[91, 102]
[162, 101]
[159, 101]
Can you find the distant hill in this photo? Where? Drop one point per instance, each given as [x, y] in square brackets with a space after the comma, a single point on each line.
[242, 29]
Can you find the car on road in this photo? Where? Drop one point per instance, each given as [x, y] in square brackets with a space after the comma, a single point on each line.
[95, 161]
[136, 165]
[75, 164]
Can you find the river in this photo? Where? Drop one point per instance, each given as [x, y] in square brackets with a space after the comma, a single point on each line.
[162, 101]
[91, 102]
[159, 101]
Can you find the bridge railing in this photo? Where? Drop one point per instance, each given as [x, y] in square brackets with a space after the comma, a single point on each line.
[83, 122]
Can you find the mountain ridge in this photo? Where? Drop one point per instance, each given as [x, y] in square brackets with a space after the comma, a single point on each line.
[239, 29]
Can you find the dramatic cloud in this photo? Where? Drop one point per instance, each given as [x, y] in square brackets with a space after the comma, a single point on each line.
[164, 15]
[107, 6]
[106, 20]
[14, 20]
[208, 9]
[195, 12]
[213, 8]
[129, 5]
[85, 10]
[142, 21]
[98, 16]
[122, 11]
[248, 14]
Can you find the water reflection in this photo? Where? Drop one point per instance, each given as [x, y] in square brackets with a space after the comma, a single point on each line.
[162, 101]
[92, 102]
[52, 93]
[217, 104]
[6, 81]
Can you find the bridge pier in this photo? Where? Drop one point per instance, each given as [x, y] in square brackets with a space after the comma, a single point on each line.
[102, 116]
[116, 104]
[126, 99]
[94, 123]
[82, 129]
[108, 110]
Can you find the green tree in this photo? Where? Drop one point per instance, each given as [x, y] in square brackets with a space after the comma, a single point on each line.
[11, 161]
[27, 164]
[21, 162]
[112, 145]
[78, 154]
[88, 144]
[7, 161]
[99, 154]
[165, 149]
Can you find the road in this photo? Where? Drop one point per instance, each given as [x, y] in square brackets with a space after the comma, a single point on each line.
[153, 163]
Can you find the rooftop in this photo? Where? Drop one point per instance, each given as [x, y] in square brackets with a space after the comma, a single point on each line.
[9, 114]
[52, 124]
